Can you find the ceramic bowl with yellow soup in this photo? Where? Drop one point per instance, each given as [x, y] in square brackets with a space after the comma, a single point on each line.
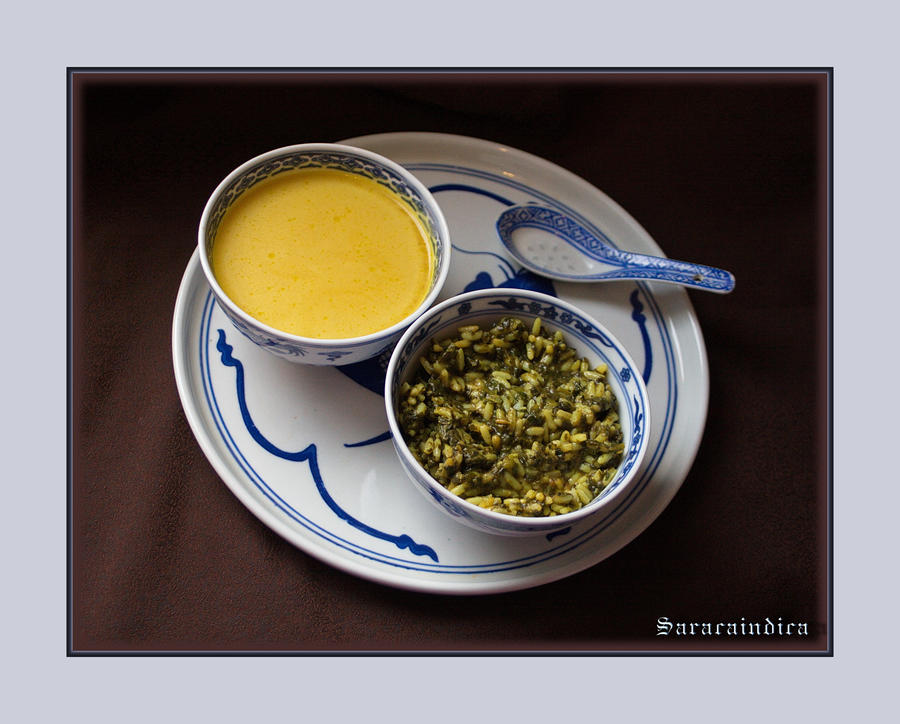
[323, 253]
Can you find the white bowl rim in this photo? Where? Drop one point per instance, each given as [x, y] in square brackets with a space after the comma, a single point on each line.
[343, 342]
[536, 524]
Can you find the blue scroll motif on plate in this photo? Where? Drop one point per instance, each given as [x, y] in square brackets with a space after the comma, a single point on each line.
[308, 455]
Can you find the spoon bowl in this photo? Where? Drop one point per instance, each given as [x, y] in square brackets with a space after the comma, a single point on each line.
[554, 245]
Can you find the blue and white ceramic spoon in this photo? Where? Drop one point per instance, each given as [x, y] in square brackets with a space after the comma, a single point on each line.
[569, 252]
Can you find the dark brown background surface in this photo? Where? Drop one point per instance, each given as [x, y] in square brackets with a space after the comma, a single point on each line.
[723, 168]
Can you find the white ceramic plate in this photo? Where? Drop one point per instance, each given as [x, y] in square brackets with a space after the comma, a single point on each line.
[306, 448]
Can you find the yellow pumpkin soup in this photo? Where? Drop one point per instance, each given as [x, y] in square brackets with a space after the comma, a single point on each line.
[322, 253]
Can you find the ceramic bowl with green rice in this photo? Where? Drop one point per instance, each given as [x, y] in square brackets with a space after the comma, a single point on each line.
[515, 412]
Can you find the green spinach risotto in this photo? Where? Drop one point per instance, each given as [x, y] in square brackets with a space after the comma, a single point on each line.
[509, 418]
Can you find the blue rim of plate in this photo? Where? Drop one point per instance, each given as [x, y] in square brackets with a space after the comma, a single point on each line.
[554, 550]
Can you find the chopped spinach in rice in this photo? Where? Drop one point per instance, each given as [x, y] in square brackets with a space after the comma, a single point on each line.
[509, 418]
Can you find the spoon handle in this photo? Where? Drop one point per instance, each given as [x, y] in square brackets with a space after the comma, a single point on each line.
[661, 269]
[628, 265]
